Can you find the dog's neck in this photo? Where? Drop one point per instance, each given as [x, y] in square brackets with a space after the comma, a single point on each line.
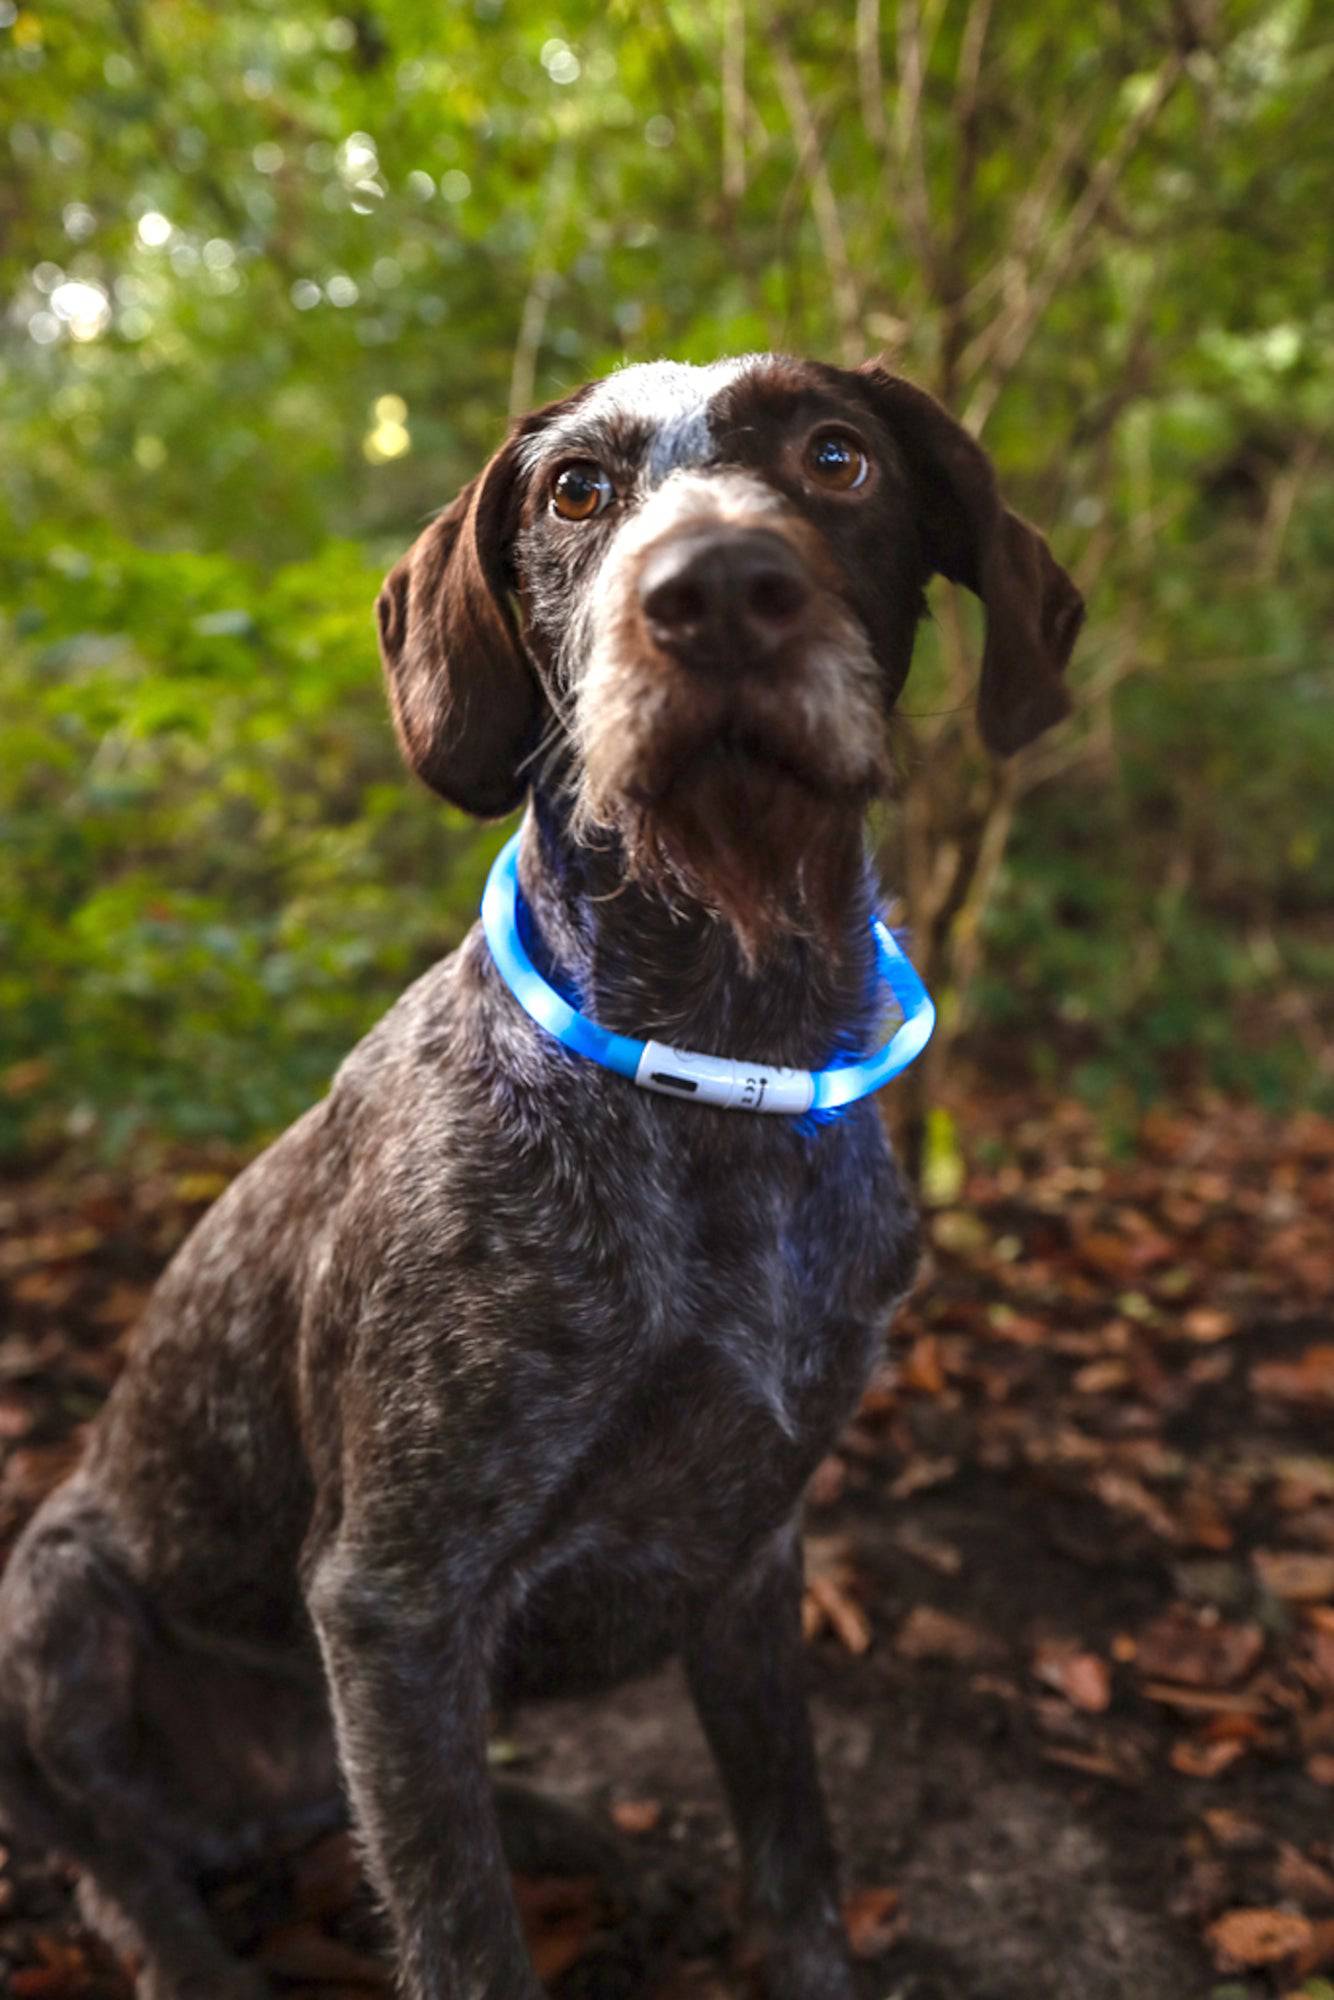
[645, 965]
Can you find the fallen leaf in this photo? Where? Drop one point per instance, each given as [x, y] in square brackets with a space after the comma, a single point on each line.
[560, 1915]
[1302, 1481]
[1099, 1378]
[46, 1286]
[33, 1470]
[63, 1974]
[1199, 1758]
[1297, 1576]
[1197, 1650]
[830, 1605]
[922, 1368]
[873, 1920]
[121, 1305]
[1207, 1324]
[1205, 1701]
[942, 1557]
[22, 1358]
[1243, 1938]
[1094, 1763]
[1309, 1379]
[62, 1243]
[920, 1474]
[1110, 1256]
[1125, 1495]
[200, 1187]
[960, 1232]
[1083, 1678]
[17, 1417]
[1020, 1329]
[928, 1634]
[1234, 1831]
[832, 1585]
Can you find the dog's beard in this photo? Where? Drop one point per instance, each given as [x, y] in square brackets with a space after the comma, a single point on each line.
[757, 845]
[752, 809]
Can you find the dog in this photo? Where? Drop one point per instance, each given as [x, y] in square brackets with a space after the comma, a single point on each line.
[496, 1377]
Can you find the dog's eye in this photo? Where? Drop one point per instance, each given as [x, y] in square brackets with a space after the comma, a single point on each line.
[834, 459]
[580, 491]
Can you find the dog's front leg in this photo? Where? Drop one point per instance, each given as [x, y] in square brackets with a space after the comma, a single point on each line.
[746, 1671]
[407, 1658]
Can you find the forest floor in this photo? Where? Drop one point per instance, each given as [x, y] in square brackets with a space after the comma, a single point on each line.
[1071, 1602]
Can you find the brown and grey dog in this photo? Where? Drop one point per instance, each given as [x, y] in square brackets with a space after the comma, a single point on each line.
[495, 1376]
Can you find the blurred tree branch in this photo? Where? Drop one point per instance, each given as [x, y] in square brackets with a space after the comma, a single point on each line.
[993, 357]
[542, 283]
[734, 100]
[824, 205]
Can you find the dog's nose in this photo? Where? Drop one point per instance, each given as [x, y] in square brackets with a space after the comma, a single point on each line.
[718, 599]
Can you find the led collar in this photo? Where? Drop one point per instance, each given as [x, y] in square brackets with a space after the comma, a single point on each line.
[682, 1073]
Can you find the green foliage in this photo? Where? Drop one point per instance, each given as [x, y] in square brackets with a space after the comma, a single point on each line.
[211, 880]
[1172, 922]
[273, 275]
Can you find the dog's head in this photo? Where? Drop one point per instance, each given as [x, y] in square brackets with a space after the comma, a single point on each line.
[692, 594]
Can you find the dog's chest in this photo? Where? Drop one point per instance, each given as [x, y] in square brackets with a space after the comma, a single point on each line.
[728, 1270]
[727, 1337]
[699, 1457]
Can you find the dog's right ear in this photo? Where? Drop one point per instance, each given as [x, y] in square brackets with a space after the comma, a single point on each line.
[465, 701]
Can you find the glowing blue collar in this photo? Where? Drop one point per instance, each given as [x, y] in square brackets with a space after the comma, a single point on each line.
[681, 1073]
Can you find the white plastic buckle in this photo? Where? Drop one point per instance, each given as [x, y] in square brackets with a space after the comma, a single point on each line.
[733, 1086]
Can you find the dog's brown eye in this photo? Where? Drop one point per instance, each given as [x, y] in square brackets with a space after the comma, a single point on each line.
[836, 460]
[580, 491]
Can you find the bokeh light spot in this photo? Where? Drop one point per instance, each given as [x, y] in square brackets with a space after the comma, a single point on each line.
[84, 308]
[386, 440]
[560, 62]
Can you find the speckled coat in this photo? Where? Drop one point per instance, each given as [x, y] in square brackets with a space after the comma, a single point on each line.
[496, 1377]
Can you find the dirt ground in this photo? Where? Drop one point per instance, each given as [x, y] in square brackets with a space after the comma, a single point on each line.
[1071, 1607]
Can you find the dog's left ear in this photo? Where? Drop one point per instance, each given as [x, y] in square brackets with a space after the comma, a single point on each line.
[465, 701]
[1034, 611]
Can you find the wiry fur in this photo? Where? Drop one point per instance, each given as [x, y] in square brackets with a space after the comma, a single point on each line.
[494, 1376]
[749, 803]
